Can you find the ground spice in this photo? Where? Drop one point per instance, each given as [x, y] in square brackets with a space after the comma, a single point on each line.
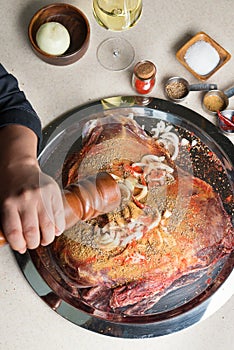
[214, 103]
[143, 78]
[176, 90]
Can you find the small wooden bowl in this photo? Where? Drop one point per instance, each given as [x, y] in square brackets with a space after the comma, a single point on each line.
[224, 56]
[75, 22]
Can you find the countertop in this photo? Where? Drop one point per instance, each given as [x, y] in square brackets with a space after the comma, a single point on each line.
[25, 321]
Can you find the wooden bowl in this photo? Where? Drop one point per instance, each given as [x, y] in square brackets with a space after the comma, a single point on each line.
[75, 22]
[224, 56]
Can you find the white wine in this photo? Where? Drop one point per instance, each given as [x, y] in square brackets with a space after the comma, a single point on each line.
[117, 15]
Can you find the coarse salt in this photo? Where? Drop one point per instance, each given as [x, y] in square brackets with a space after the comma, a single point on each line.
[202, 57]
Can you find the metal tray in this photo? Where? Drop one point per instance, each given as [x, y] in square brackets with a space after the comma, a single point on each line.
[179, 309]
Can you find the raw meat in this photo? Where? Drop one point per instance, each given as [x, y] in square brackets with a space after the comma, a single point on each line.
[170, 224]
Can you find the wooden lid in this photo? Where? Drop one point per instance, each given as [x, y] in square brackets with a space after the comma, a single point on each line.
[145, 69]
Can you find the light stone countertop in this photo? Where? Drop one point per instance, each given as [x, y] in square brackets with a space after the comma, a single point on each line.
[25, 321]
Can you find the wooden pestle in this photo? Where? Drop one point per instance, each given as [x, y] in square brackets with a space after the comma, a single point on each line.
[90, 197]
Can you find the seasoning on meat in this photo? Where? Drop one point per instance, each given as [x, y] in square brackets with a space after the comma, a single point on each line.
[170, 224]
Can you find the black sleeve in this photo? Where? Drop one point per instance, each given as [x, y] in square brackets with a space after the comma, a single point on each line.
[14, 107]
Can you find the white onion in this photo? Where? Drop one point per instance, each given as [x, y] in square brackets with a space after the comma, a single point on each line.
[140, 186]
[184, 142]
[136, 235]
[142, 194]
[151, 157]
[140, 164]
[130, 182]
[173, 139]
[155, 133]
[107, 237]
[160, 180]
[157, 218]
[168, 128]
[175, 154]
[161, 126]
[170, 136]
[115, 177]
[158, 165]
[53, 38]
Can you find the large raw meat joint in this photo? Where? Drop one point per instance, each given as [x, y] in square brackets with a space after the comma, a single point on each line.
[170, 224]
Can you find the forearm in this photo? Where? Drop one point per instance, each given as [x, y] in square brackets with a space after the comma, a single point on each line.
[18, 145]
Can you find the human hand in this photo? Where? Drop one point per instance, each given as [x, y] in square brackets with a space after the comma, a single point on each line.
[31, 206]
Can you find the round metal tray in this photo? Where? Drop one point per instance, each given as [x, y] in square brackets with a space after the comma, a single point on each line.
[175, 311]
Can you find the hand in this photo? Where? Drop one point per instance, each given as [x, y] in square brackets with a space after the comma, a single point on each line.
[31, 207]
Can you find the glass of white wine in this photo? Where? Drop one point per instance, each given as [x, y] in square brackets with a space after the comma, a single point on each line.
[116, 15]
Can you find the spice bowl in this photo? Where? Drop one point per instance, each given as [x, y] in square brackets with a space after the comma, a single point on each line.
[202, 56]
[177, 88]
[228, 114]
[216, 100]
[76, 24]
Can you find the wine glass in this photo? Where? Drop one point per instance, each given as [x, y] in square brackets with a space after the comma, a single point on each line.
[116, 15]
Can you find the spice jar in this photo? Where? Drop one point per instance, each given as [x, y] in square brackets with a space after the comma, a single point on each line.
[143, 78]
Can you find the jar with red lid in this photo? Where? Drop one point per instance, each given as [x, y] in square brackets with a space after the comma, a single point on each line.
[144, 77]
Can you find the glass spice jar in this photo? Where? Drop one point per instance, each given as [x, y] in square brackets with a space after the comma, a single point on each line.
[143, 78]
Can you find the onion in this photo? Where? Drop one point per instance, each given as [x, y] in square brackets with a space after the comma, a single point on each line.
[107, 237]
[158, 165]
[151, 157]
[53, 38]
[136, 235]
[155, 133]
[171, 136]
[161, 126]
[142, 194]
[184, 142]
[115, 177]
[113, 244]
[140, 164]
[173, 139]
[168, 128]
[130, 182]
[157, 219]
[159, 180]
[140, 186]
